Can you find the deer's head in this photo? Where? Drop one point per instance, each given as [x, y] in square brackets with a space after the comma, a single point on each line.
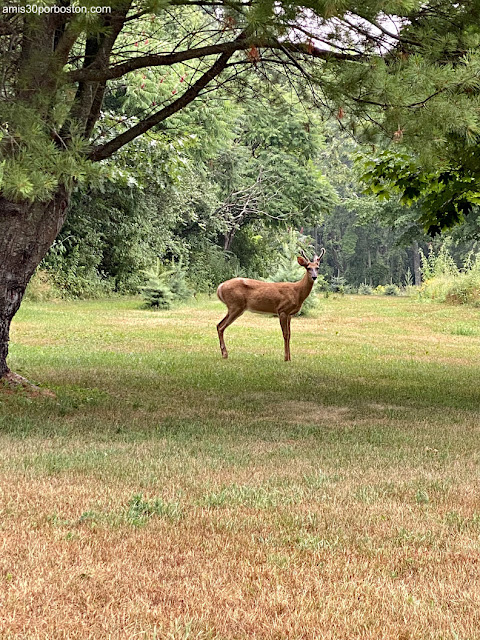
[311, 266]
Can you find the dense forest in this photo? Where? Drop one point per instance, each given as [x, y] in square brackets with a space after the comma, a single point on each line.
[227, 188]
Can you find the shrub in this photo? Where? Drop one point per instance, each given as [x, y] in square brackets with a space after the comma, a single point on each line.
[465, 289]
[434, 289]
[209, 265]
[350, 288]
[41, 287]
[178, 285]
[82, 284]
[365, 289]
[441, 264]
[447, 283]
[391, 290]
[337, 284]
[410, 290]
[74, 277]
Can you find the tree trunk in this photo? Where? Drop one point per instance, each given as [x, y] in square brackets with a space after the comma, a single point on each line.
[228, 239]
[417, 274]
[27, 231]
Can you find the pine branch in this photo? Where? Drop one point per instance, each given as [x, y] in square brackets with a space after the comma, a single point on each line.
[90, 74]
[106, 150]
[390, 34]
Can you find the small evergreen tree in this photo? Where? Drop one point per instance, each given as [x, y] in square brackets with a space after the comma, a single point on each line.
[165, 286]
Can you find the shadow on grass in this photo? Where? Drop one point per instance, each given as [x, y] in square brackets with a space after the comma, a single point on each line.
[171, 395]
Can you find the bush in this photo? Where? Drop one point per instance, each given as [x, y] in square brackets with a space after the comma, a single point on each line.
[410, 290]
[178, 285]
[209, 265]
[73, 277]
[82, 284]
[391, 290]
[441, 264]
[350, 288]
[41, 287]
[337, 284]
[157, 294]
[465, 289]
[365, 289]
[435, 289]
[447, 283]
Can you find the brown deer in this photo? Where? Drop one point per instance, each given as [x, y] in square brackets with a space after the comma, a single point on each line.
[283, 299]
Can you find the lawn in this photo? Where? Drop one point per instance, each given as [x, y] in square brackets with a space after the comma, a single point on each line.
[167, 493]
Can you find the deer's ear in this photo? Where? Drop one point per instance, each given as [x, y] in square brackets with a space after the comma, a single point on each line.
[302, 262]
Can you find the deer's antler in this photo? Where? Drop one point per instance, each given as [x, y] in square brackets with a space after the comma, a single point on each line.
[305, 255]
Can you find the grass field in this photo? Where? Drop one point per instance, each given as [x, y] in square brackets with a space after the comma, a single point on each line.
[167, 493]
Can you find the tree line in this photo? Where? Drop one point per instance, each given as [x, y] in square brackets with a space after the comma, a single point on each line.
[221, 197]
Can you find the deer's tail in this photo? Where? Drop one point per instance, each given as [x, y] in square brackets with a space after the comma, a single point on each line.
[219, 292]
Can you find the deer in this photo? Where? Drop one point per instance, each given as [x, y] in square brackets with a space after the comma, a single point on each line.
[282, 299]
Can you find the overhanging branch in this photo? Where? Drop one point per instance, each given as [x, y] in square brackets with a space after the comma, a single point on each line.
[104, 151]
[227, 48]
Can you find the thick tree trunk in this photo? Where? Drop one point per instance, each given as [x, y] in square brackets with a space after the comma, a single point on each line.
[27, 231]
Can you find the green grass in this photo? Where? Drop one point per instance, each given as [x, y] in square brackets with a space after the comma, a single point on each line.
[167, 491]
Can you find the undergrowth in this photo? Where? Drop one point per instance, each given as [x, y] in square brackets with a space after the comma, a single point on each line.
[444, 281]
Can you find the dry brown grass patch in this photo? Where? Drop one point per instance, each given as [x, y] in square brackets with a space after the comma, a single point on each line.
[227, 572]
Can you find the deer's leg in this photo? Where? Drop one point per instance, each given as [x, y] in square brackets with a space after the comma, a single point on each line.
[223, 324]
[285, 324]
[288, 327]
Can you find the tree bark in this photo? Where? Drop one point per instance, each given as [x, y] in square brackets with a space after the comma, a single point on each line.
[27, 230]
